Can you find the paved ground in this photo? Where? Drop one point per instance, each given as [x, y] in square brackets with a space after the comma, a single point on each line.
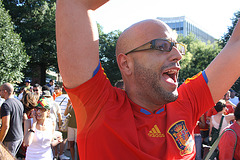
[67, 152]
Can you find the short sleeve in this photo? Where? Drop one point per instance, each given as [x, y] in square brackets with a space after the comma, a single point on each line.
[5, 110]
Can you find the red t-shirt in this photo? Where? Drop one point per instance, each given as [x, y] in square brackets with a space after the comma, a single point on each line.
[212, 111]
[229, 109]
[111, 126]
[227, 142]
[206, 123]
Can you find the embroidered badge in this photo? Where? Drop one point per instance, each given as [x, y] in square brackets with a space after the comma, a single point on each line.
[182, 137]
[155, 132]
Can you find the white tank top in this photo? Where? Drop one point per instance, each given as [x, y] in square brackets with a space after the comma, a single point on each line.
[216, 125]
[40, 148]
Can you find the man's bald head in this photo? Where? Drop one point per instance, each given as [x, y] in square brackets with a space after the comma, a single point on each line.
[141, 33]
[8, 87]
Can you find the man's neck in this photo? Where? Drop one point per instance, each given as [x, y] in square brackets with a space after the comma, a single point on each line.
[9, 96]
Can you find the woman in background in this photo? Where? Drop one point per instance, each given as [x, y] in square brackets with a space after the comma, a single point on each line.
[39, 133]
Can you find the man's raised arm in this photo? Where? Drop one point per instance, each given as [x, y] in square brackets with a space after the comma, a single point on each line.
[77, 40]
[225, 68]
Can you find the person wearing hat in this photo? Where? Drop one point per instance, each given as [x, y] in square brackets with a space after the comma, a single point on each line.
[55, 112]
[28, 85]
[39, 133]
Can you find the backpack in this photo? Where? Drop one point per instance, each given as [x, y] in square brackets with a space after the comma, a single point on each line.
[215, 133]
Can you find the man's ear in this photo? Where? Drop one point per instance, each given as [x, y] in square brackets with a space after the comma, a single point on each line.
[125, 64]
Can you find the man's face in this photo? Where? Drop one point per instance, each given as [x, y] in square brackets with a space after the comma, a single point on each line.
[2, 92]
[153, 73]
[27, 83]
[227, 96]
[36, 90]
[157, 74]
[51, 83]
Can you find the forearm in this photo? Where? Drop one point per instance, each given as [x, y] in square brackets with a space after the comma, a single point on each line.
[59, 119]
[66, 111]
[3, 132]
[77, 40]
[221, 71]
[28, 138]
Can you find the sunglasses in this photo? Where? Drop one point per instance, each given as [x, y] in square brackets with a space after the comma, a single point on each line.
[160, 44]
[35, 90]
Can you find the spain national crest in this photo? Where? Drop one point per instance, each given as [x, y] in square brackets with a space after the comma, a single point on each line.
[182, 137]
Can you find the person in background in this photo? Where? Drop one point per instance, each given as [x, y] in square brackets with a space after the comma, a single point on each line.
[62, 101]
[11, 133]
[229, 105]
[228, 140]
[233, 98]
[39, 133]
[57, 92]
[216, 119]
[72, 129]
[198, 138]
[29, 101]
[51, 86]
[55, 113]
[20, 95]
[37, 89]
[28, 85]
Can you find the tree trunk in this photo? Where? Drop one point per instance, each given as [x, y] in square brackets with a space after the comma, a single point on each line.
[43, 74]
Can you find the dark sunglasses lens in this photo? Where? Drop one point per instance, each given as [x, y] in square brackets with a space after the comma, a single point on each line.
[162, 45]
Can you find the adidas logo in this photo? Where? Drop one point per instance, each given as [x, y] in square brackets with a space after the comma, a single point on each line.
[155, 132]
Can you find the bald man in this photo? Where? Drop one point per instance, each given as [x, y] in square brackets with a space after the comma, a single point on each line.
[153, 118]
[11, 133]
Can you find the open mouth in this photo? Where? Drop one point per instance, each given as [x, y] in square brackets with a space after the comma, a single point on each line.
[171, 75]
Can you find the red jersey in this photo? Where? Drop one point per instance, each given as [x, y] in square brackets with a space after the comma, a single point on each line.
[206, 123]
[229, 109]
[212, 111]
[227, 142]
[111, 126]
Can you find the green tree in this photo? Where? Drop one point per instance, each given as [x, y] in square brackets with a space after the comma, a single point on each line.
[224, 40]
[199, 55]
[107, 45]
[35, 21]
[13, 57]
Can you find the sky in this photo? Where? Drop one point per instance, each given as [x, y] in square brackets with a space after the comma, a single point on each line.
[213, 16]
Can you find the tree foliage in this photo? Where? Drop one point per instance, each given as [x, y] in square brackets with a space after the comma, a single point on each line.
[35, 21]
[107, 45]
[199, 55]
[226, 36]
[13, 57]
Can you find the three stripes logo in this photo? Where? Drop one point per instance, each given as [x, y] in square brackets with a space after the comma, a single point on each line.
[155, 132]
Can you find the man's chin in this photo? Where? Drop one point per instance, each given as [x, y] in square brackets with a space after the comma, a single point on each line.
[173, 96]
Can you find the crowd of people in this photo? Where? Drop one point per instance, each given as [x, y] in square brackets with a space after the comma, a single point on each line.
[31, 122]
[219, 117]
